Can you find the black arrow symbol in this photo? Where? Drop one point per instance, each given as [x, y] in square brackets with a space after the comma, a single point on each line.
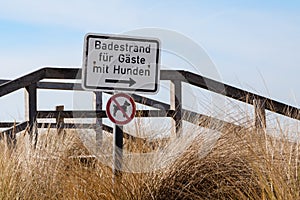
[131, 82]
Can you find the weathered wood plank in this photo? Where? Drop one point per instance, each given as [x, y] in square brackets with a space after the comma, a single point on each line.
[8, 124]
[31, 110]
[176, 105]
[62, 73]
[21, 82]
[31, 103]
[60, 122]
[259, 114]
[59, 86]
[2, 81]
[210, 122]
[10, 133]
[150, 102]
[100, 114]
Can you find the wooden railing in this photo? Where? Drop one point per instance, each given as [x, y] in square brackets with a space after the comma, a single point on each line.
[33, 81]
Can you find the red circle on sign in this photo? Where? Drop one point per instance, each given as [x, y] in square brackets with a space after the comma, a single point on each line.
[113, 101]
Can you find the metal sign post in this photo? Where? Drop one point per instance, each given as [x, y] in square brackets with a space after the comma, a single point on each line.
[120, 110]
[118, 152]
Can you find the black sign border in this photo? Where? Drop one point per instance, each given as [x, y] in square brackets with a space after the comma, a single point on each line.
[127, 38]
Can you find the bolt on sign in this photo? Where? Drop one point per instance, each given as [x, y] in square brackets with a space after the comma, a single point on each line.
[121, 63]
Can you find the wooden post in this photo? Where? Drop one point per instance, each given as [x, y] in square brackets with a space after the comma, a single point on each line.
[11, 138]
[118, 153]
[259, 113]
[99, 123]
[31, 110]
[60, 120]
[176, 105]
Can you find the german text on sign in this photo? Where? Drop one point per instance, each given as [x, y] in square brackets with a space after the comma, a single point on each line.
[121, 63]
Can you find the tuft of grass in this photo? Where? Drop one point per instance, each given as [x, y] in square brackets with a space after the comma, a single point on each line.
[243, 164]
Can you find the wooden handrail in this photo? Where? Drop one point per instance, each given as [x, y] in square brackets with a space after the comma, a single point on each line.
[35, 78]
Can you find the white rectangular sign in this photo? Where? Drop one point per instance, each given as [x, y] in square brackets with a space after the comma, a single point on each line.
[121, 63]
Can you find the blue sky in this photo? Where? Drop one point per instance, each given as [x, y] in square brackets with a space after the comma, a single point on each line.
[254, 45]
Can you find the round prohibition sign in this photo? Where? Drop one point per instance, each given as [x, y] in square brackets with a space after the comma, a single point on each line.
[120, 109]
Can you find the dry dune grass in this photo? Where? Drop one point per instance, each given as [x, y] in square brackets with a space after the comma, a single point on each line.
[244, 164]
[241, 166]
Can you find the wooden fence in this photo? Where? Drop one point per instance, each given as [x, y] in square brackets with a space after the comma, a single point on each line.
[33, 81]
